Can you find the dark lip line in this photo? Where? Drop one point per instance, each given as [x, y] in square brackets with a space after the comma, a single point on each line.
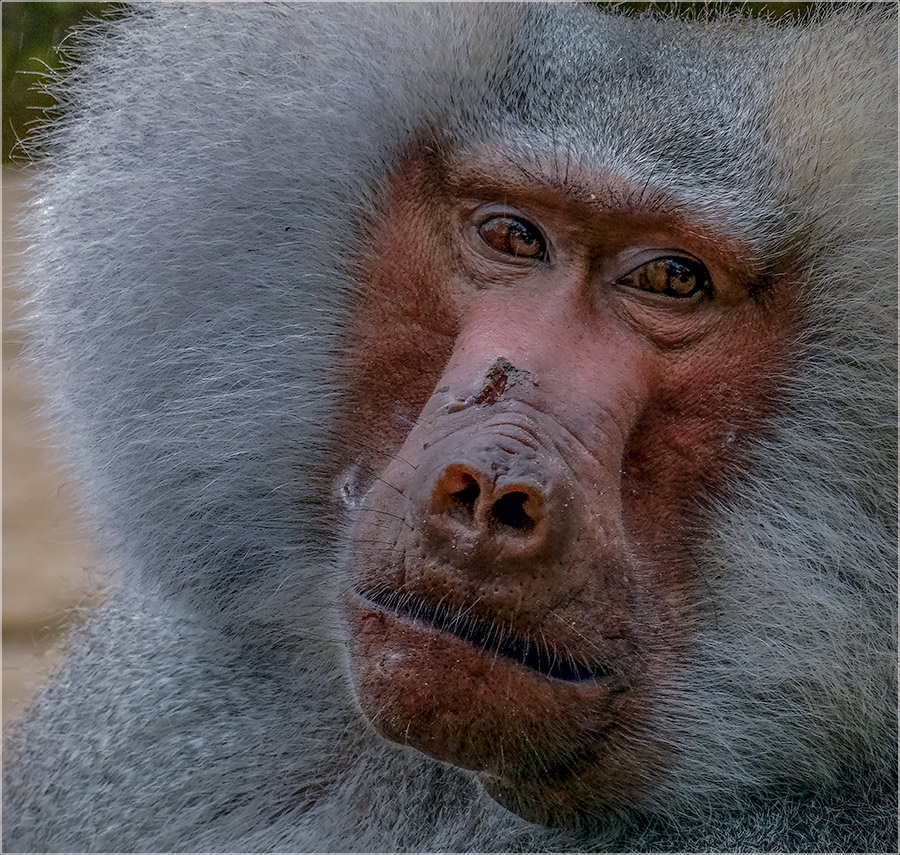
[487, 638]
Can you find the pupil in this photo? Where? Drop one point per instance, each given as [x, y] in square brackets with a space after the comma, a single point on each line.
[680, 271]
[521, 233]
[681, 278]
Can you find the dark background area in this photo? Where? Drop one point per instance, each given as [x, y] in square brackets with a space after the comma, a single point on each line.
[32, 34]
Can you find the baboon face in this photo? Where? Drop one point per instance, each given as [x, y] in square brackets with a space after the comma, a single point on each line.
[577, 376]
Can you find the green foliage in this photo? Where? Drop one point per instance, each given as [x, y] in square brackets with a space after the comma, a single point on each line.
[31, 34]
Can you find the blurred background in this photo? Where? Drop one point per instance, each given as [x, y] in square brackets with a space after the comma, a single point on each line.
[48, 562]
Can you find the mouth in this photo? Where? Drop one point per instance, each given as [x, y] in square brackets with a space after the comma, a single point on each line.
[488, 637]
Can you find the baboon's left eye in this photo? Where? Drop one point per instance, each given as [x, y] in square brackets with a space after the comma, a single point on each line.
[671, 276]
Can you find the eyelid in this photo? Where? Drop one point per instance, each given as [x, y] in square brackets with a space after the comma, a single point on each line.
[644, 255]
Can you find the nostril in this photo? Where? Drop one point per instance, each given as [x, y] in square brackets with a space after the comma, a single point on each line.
[467, 503]
[509, 510]
[456, 494]
[474, 516]
[467, 494]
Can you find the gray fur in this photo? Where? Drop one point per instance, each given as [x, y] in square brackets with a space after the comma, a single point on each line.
[210, 168]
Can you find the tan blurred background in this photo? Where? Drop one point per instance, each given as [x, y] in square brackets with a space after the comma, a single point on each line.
[48, 563]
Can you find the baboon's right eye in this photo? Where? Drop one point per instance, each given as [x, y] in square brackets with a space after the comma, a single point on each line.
[513, 236]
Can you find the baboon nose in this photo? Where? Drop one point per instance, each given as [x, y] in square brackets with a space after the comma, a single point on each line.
[474, 511]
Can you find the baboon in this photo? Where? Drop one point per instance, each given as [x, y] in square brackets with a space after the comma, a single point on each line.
[490, 413]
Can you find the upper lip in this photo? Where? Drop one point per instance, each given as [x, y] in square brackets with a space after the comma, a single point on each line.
[489, 637]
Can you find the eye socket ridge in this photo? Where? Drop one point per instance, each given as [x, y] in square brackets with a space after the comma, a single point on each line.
[674, 276]
[513, 235]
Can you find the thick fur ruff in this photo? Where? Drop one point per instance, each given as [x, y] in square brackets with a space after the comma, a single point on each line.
[211, 176]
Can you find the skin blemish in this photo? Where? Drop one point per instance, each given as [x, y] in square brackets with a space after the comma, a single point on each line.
[500, 377]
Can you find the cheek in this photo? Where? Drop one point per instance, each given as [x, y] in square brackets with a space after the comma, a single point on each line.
[402, 335]
[693, 437]
[392, 372]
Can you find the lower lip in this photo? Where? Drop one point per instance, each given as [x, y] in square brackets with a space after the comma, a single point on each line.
[424, 687]
[376, 620]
